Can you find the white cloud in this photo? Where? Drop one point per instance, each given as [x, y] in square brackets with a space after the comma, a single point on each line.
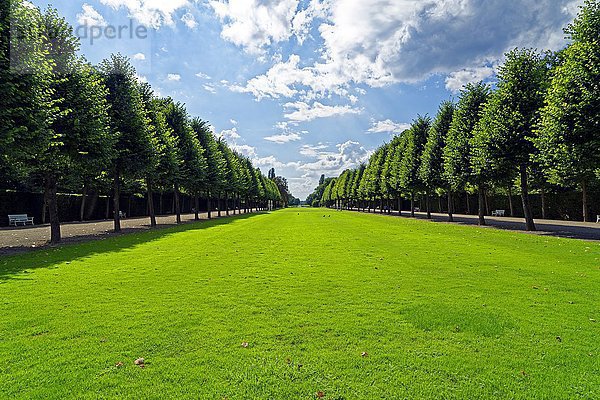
[388, 126]
[381, 42]
[233, 122]
[244, 149]
[304, 112]
[174, 77]
[90, 17]
[152, 13]
[139, 57]
[308, 150]
[203, 76]
[231, 135]
[349, 155]
[210, 88]
[189, 20]
[459, 79]
[273, 162]
[283, 138]
[255, 24]
[141, 78]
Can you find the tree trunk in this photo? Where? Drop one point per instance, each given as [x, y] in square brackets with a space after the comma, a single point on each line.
[177, 205]
[525, 198]
[487, 203]
[53, 208]
[83, 200]
[209, 205]
[151, 204]
[468, 203]
[116, 202]
[543, 195]
[450, 207]
[412, 204]
[399, 206]
[107, 212]
[428, 204]
[160, 202]
[91, 209]
[440, 209]
[510, 202]
[219, 207]
[227, 204]
[196, 207]
[481, 206]
[584, 193]
[45, 204]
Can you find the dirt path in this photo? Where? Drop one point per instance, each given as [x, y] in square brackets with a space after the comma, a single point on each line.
[16, 240]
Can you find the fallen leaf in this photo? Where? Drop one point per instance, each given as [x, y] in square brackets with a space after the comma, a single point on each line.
[364, 354]
[139, 361]
[119, 364]
[320, 394]
[245, 345]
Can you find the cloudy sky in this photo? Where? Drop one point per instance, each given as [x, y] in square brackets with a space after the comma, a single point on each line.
[313, 86]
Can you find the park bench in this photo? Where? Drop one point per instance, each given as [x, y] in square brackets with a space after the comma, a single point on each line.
[17, 219]
[498, 213]
[122, 215]
[598, 219]
[417, 209]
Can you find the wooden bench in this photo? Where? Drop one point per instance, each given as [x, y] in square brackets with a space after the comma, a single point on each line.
[16, 219]
[498, 213]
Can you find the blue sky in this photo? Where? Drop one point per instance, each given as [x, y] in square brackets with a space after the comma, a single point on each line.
[312, 87]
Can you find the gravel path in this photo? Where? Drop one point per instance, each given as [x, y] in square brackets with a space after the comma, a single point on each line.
[17, 240]
[565, 229]
[21, 239]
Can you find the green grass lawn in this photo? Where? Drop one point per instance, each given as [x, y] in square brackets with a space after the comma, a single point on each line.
[442, 311]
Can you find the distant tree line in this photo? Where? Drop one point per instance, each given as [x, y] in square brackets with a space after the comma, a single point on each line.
[538, 129]
[67, 124]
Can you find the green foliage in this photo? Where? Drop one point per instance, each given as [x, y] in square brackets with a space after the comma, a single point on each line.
[457, 153]
[415, 137]
[130, 126]
[215, 161]
[192, 170]
[502, 141]
[569, 134]
[431, 170]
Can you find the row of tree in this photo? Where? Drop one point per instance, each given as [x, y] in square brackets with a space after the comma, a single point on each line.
[540, 126]
[65, 123]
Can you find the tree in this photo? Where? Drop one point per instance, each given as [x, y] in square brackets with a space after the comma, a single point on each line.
[232, 174]
[431, 171]
[28, 105]
[416, 137]
[215, 162]
[457, 153]
[129, 125]
[502, 145]
[193, 168]
[569, 132]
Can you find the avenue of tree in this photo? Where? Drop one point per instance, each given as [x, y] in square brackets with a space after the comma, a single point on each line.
[70, 125]
[538, 128]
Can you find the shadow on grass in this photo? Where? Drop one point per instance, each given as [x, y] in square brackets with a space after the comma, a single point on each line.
[17, 266]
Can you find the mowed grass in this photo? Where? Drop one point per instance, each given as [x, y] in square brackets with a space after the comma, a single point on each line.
[441, 311]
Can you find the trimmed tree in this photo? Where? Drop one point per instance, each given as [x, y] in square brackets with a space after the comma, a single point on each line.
[569, 132]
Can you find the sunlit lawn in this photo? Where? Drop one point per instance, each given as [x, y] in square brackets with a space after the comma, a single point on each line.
[352, 305]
